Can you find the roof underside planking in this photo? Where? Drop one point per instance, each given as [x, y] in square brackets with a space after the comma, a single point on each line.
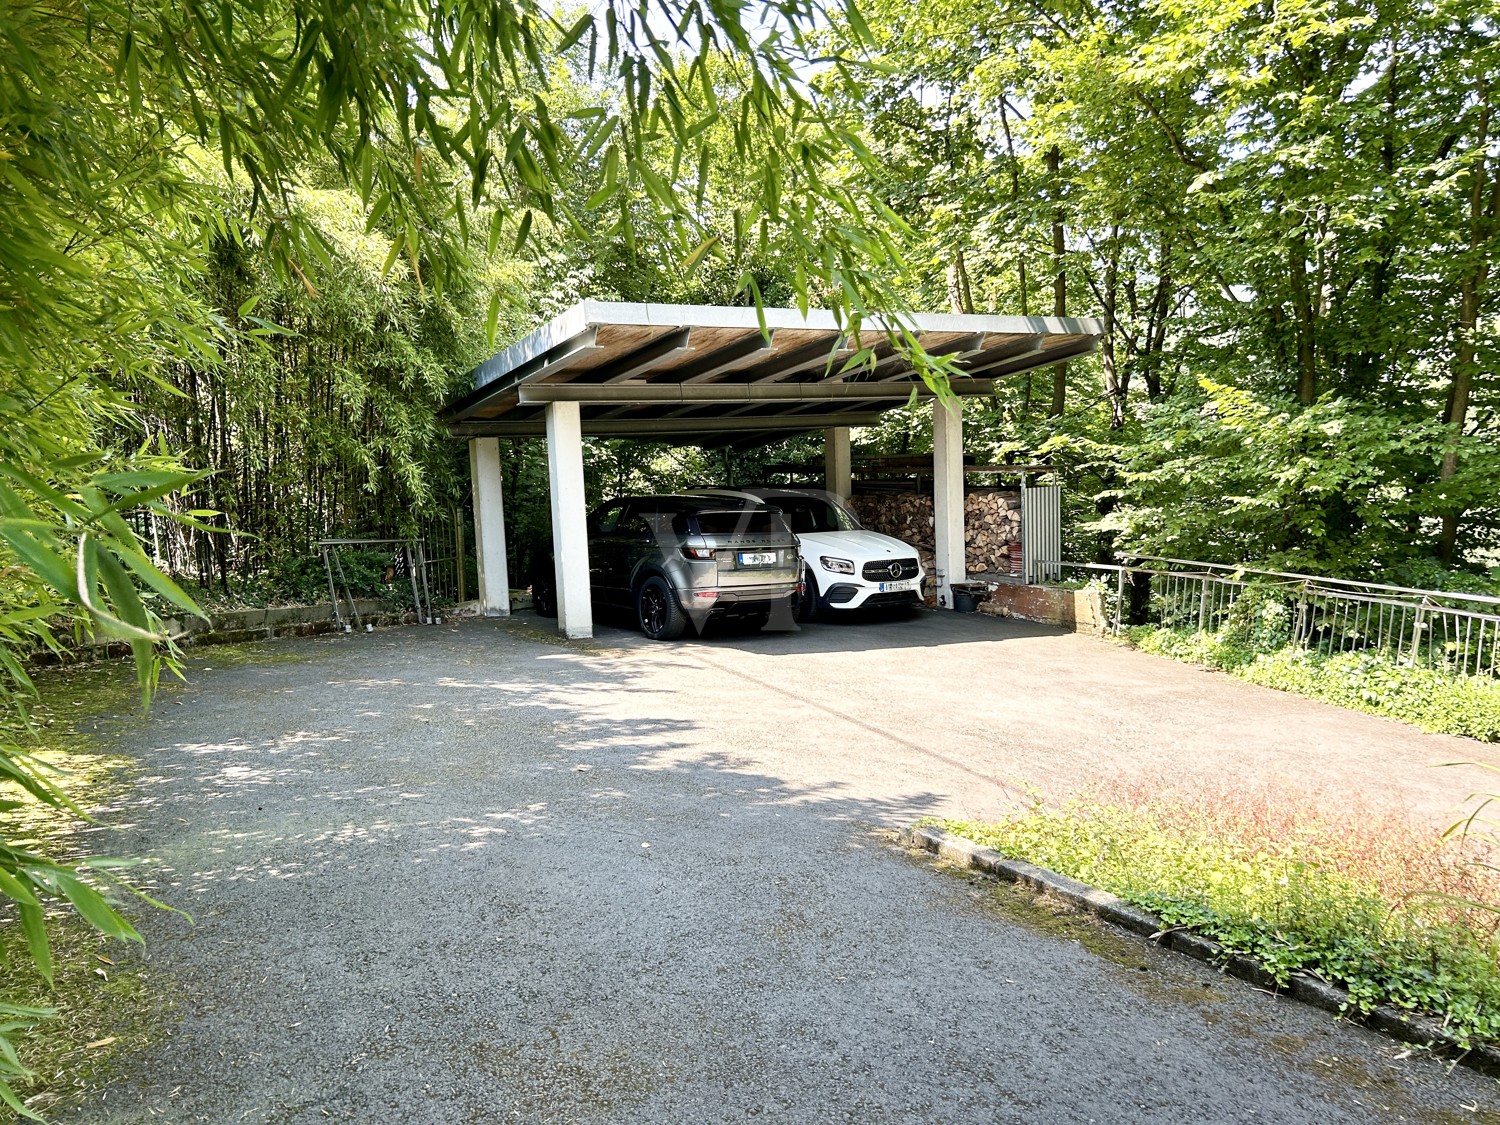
[709, 375]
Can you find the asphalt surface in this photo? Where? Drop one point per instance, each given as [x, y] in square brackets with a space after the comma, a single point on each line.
[474, 873]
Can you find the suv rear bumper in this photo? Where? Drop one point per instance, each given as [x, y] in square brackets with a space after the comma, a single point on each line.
[704, 603]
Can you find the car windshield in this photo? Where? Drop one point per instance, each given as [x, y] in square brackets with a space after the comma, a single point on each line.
[809, 514]
[747, 521]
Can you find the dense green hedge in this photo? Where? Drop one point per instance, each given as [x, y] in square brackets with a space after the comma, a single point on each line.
[1432, 698]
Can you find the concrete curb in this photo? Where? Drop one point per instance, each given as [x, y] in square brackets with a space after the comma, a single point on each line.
[1306, 987]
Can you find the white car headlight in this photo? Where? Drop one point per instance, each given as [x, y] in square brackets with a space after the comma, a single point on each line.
[838, 566]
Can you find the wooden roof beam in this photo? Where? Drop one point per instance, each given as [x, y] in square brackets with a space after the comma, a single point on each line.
[741, 353]
[640, 359]
[648, 428]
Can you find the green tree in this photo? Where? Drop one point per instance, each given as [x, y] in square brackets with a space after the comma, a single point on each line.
[1298, 201]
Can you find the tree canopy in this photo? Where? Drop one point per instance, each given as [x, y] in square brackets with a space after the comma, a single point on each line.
[1298, 203]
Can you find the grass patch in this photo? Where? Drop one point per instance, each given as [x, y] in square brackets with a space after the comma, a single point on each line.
[1364, 899]
[103, 1010]
[106, 1011]
[1431, 698]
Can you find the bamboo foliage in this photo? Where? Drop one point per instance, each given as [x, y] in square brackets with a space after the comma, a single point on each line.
[327, 422]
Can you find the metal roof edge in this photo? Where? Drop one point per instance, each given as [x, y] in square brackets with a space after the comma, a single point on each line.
[562, 327]
[745, 316]
[489, 377]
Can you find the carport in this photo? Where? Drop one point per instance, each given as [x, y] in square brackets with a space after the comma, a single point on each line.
[717, 376]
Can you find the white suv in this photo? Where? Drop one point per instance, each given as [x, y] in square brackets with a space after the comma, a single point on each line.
[844, 567]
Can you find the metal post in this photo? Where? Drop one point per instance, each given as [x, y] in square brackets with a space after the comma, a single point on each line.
[338, 616]
[1203, 607]
[411, 577]
[458, 550]
[1119, 599]
[348, 593]
[1417, 625]
[426, 588]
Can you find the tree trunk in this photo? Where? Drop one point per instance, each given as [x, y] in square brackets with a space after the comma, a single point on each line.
[1114, 385]
[1484, 211]
[960, 298]
[1021, 280]
[1303, 320]
[1160, 315]
[1059, 281]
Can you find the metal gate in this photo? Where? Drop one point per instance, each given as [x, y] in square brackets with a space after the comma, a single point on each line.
[448, 549]
[1041, 532]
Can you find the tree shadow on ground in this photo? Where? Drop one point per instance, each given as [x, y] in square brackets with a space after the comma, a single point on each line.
[861, 631]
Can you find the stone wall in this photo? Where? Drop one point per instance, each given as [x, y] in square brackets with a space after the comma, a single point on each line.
[992, 526]
[238, 625]
[1079, 610]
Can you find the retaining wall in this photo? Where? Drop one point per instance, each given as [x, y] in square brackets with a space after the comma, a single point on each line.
[1079, 610]
[234, 626]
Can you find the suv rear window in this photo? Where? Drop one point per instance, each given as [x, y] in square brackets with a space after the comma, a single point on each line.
[749, 521]
[808, 514]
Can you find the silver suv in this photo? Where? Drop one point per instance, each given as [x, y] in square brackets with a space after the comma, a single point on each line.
[680, 560]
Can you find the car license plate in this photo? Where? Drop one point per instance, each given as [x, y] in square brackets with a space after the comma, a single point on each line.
[757, 558]
[897, 587]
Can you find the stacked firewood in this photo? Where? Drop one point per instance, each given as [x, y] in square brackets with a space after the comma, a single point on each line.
[992, 524]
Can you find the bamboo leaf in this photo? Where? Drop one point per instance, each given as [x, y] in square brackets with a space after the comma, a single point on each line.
[690, 263]
[43, 560]
[35, 928]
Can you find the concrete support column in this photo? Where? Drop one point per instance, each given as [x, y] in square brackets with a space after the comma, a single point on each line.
[837, 472]
[570, 541]
[948, 496]
[489, 527]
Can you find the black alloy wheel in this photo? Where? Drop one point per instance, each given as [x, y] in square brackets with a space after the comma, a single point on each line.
[657, 611]
[808, 603]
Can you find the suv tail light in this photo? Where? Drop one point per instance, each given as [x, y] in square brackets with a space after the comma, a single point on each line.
[703, 553]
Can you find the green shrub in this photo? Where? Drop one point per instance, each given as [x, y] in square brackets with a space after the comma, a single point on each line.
[371, 572]
[1259, 620]
[1426, 696]
[1369, 902]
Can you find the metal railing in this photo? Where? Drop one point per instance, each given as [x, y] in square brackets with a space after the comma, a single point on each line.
[1438, 627]
[405, 568]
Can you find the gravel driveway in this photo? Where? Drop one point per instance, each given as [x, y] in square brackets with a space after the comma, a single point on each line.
[475, 873]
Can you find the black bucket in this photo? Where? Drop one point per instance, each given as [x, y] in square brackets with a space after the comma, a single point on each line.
[965, 601]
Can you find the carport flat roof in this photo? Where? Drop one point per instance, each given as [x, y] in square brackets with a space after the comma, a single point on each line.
[708, 374]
